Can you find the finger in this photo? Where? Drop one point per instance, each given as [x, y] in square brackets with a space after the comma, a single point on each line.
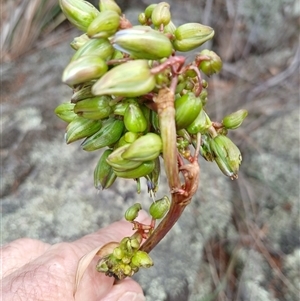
[18, 253]
[114, 232]
[126, 290]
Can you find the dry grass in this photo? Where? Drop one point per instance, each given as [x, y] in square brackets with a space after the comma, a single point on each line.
[23, 22]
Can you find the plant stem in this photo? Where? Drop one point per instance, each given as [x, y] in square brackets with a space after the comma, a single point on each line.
[166, 114]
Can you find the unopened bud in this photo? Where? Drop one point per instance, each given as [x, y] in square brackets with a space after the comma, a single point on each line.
[110, 5]
[187, 108]
[160, 207]
[105, 25]
[84, 69]
[211, 66]
[80, 13]
[134, 119]
[143, 43]
[130, 79]
[227, 155]
[141, 259]
[132, 212]
[234, 120]
[191, 35]
[97, 47]
[65, 111]
[145, 148]
[161, 14]
[78, 42]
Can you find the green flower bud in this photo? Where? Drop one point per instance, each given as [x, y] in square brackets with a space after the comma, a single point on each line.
[227, 155]
[104, 175]
[80, 128]
[159, 208]
[78, 42]
[82, 92]
[161, 14]
[65, 111]
[130, 79]
[200, 125]
[132, 212]
[234, 120]
[143, 170]
[84, 69]
[134, 119]
[191, 35]
[98, 47]
[149, 9]
[143, 43]
[214, 65]
[130, 137]
[109, 134]
[110, 5]
[170, 28]
[94, 108]
[118, 163]
[105, 25]
[141, 259]
[142, 19]
[187, 109]
[80, 13]
[120, 108]
[118, 253]
[145, 148]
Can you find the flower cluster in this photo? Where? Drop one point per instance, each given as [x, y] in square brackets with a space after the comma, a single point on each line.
[117, 73]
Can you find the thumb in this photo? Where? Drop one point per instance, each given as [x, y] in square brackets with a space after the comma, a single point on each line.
[125, 290]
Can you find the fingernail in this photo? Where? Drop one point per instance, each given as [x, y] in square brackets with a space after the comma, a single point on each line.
[131, 296]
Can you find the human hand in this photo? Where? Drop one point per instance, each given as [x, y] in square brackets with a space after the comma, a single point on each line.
[34, 270]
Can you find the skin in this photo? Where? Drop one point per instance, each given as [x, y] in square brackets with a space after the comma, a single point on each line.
[33, 270]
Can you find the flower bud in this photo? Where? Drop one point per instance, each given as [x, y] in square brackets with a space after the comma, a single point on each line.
[142, 19]
[94, 108]
[105, 25]
[161, 14]
[130, 137]
[234, 120]
[118, 163]
[142, 170]
[118, 253]
[200, 125]
[82, 92]
[187, 109]
[142, 259]
[80, 13]
[134, 119]
[227, 155]
[170, 28]
[109, 134]
[130, 79]
[160, 207]
[84, 69]
[98, 47]
[80, 128]
[191, 35]
[145, 148]
[211, 66]
[143, 43]
[110, 5]
[132, 212]
[149, 9]
[65, 111]
[78, 42]
[104, 175]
